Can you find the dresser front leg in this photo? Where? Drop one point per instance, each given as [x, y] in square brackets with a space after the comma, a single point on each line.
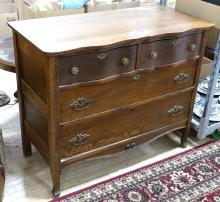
[55, 175]
[56, 190]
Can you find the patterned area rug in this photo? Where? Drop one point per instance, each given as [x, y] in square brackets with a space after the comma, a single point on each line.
[193, 175]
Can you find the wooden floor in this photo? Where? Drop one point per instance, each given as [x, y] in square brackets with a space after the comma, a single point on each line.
[28, 179]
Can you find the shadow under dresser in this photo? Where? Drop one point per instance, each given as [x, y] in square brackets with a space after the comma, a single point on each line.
[95, 84]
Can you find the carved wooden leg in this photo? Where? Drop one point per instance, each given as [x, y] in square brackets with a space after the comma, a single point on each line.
[55, 175]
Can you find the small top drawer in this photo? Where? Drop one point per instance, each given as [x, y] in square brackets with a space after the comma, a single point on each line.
[95, 66]
[169, 51]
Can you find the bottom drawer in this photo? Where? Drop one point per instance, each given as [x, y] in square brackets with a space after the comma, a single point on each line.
[122, 124]
[124, 145]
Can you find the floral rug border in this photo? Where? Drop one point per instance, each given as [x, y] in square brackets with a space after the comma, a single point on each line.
[135, 170]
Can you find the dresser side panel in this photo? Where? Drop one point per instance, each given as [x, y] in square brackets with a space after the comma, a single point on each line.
[33, 67]
[36, 121]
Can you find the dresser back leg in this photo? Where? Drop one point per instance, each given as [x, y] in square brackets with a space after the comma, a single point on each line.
[184, 136]
[26, 143]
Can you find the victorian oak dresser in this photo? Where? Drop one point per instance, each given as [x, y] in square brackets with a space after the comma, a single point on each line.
[95, 84]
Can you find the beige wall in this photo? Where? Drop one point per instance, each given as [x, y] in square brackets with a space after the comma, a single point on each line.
[200, 9]
[204, 11]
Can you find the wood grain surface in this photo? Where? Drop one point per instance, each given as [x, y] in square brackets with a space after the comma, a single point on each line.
[93, 67]
[129, 103]
[59, 35]
[122, 145]
[125, 123]
[169, 51]
[121, 92]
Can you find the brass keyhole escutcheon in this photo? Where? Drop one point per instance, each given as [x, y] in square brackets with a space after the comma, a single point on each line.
[175, 43]
[192, 47]
[136, 77]
[153, 55]
[102, 56]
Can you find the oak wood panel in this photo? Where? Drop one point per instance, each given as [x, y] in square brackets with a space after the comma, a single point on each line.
[34, 99]
[91, 67]
[169, 51]
[92, 31]
[121, 146]
[123, 124]
[36, 120]
[125, 91]
[33, 75]
[37, 142]
[34, 53]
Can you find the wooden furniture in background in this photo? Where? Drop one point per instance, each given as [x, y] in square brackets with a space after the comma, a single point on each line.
[112, 81]
[95, 6]
[7, 59]
[2, 170]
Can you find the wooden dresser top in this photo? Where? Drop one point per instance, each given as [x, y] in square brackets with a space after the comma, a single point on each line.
[101, 30]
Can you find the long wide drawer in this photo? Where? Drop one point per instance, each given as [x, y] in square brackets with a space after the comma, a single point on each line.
[87, 100]
[169, 51]
[90, 134]
[96, 66]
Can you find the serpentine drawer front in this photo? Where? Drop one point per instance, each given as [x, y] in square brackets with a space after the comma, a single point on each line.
[85, 136]
[79, 102]
[170, 51]
[95, 66]
[97, 84]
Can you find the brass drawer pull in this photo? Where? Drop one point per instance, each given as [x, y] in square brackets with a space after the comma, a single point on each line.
[125, 61]
[133, 145]
[181, 77]
[176, 110]
[127, 146]
[81, 103]
[153, 55]
[130, 146]
[192, 47]
[79, 139]
[102, 56]
[74, 70]
[136, 76]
